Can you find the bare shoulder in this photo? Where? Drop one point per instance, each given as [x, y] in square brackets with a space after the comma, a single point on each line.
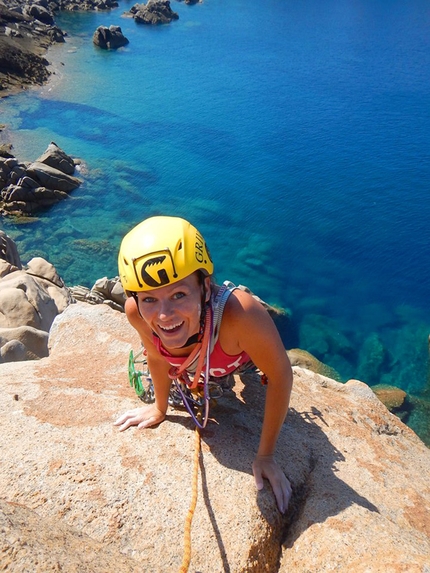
[247, 326]
[244, 320]
[243, 306]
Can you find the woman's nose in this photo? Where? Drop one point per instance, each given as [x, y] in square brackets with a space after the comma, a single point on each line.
[165, 311]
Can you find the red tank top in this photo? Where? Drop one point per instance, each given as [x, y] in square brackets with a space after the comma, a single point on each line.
[220, 363]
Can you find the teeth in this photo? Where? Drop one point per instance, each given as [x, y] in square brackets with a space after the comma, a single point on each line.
[172, 327]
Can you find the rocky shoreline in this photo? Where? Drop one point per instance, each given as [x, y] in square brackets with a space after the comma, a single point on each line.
[27, 29]
[24, 40]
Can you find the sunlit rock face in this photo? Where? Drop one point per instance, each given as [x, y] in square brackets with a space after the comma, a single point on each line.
[359, 475]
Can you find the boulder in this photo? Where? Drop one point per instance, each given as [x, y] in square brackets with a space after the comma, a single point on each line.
[41, 268]
[40, 13]
[4, 172]
[153, 12]
[5, 150]
[104, 291]
[109, 38]
[8, 251]
[27, 183]
[6, 268]
[17, 170]
[30, 299]
[28, 188]
[46, 275]
[304, 359]
[52, 178]
[21, 199]
[359, 475]
[57, 158]
[22, 343]
[391, 396]
[16, 308]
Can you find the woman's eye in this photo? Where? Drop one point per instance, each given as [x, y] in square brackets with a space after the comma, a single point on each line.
[148, 299]
[178, 295]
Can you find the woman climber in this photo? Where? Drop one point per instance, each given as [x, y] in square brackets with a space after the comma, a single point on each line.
[187, 324]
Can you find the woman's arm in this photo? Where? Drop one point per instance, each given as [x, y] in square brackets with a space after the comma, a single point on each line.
[248, 327]
[151, 414]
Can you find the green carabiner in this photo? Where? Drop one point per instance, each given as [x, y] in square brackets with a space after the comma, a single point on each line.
[135, 377]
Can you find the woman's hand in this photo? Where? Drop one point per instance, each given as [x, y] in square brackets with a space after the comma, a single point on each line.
[141, 417]
[266, 467]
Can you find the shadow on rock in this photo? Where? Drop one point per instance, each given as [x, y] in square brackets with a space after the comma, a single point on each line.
[304, 451]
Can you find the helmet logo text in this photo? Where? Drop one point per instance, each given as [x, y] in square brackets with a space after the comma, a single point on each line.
[153, 272]
[199, 248]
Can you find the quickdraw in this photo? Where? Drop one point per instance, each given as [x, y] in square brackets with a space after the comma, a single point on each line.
[140, 380]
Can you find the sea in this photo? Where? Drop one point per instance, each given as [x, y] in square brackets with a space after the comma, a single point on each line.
[294, 135]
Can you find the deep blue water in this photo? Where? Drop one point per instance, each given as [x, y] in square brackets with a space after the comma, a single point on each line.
[296, 136]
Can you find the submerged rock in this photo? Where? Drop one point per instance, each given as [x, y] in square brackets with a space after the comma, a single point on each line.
[321, 336]
[372, 359]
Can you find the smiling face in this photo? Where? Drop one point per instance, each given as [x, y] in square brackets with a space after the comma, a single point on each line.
[173, 312]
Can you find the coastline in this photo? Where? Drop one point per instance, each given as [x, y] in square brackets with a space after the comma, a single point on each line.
[27, 32]
[24, 42]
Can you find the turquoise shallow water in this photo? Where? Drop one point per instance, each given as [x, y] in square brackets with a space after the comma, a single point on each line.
[296, 137]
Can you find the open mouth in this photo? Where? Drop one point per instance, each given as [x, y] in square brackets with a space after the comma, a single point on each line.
[171, 329]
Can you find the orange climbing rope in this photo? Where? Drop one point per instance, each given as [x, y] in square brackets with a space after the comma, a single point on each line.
[187, 531]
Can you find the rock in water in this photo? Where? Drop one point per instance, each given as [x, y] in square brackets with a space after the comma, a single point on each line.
[109, 38]
[153, 12]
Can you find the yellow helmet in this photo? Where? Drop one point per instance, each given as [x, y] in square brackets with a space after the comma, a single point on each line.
[160, 251]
